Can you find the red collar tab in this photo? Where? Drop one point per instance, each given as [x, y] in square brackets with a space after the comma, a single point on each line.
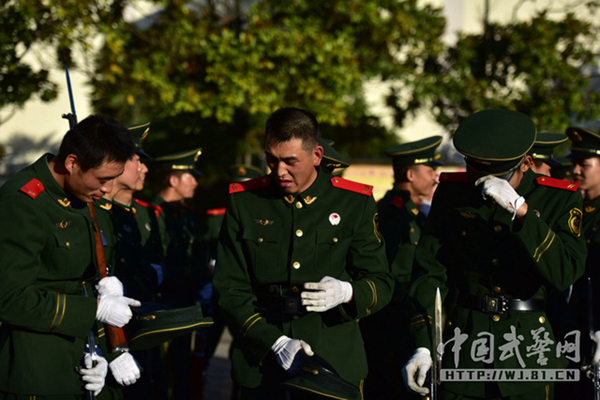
[557, 183]
[352, 186]
[33, 188]
[252, 184]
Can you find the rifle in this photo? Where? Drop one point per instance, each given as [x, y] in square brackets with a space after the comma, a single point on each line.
[596, 367]
[72, 118]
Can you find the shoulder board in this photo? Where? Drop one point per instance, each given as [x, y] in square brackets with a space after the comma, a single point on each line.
[33, 188]
[557, 183]
[216, 211]
[252, 184]
[157, 210]
[397, 202]
[457, 177]
[142, 203]
[352, 186]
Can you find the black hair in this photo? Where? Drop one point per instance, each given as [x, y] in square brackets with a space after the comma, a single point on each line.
[96, 139]
[293, 123]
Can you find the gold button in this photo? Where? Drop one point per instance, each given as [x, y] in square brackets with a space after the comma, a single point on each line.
[123, 260]
[496, 318]
[412, 230]
[542, 320]
[298, 205]
[295, 289]
[416, 243]
[296, 265]
[295, 316]
[463, 233]
[588, 241]
[449, 323]
[497, 228]
[495, 262]
[260, 240]
[492, 303]
[497, 289]
[335, 240]
[299, 233]
[68, 244]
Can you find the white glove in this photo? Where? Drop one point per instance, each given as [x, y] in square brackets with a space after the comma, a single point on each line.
[115, 311]
[110, 286]
[94, 376]
[286, 351]
[331, 292]
[596, 339]
[419, 364]
[125, 369]
[501, 192]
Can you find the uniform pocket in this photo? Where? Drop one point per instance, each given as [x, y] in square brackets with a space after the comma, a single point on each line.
[261, 241]
[332, 246]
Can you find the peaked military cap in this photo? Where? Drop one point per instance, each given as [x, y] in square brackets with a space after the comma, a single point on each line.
[241, 173]
[494, 142]
[561, 168]
[184, 161]
[317, 376]
[543, 147]
[138, 133]
[153, 324]
[584, 143]
[415, 153]
[331, 158]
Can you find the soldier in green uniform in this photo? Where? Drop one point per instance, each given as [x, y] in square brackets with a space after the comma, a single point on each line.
[300, 260]
[135, 273]
[47, 246]
[585, 150]
[386, 335]
[542, 151]
[497, 241]
[183, 270]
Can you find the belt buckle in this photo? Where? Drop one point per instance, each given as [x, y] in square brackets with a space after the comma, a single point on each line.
[292, 305]
[494, 304]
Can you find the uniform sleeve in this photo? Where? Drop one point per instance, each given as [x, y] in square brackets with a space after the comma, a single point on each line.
[557, 249]
[236, 299]
[29, 299]
[372, 282]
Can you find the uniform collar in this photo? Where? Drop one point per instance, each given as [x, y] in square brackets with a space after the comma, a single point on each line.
[590, 206]
[408, 203]
[127, 207]
[52, 187]
[104, 203]
[311, 195]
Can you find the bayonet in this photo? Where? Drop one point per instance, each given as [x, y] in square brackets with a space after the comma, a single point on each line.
[438, 347]
[71, 117]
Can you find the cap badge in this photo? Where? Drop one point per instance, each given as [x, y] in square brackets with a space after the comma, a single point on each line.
[334, 219]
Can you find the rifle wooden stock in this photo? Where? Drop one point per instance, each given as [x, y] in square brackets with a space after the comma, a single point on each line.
[116, 336]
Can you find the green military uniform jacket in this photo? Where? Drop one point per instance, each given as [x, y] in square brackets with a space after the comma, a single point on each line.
[399, 226]
[179, 230]
[46, 243]
[272, 244]
[471, 247]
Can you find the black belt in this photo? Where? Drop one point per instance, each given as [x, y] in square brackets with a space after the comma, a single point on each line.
[291, 305]
[500, 304]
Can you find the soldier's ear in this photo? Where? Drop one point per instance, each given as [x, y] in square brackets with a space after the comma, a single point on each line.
[526, 164]
[317, 155]
[173, 180]
[71, 162]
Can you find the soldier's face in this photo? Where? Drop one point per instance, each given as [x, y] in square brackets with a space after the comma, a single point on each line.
[94, 183]
[586, 171]
[185, 185]
[424, 180]
[133, 175]
[292, 167]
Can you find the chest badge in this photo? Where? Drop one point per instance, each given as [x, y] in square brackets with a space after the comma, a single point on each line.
[334, 219]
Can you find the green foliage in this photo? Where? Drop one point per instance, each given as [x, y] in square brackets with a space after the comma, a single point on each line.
[44, 32]
[539, 67]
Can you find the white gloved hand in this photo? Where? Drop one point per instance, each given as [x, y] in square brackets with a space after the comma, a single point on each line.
[596, 339]
[125, 369]
[418, 365]
[330, 293]
[110, 286]
[501, 192]
[115, 311]
[286, 351]
[94, 376]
